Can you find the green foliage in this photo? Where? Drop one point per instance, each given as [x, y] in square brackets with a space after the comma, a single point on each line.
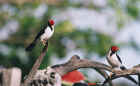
[91, 41]
[133, 10]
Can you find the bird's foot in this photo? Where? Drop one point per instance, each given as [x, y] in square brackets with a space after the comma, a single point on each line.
[44, 42]
[111, 75]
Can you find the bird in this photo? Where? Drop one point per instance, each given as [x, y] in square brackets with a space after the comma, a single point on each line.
[115, 61]
[76, 78]
[45, 33]
[46, 77]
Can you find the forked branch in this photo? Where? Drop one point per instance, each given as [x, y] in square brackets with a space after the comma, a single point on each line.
[75, 63]
[36, 65]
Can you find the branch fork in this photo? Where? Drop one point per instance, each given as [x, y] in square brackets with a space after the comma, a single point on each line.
[76, 63]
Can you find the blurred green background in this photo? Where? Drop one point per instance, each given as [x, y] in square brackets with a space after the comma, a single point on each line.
[84, 27]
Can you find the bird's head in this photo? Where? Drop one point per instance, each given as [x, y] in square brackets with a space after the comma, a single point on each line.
[114, 48]
[51, 22]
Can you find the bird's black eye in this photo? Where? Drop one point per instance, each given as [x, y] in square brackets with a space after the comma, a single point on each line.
[52, 75]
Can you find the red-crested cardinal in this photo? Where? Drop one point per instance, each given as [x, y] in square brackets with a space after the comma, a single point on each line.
[45, 33]
[115, 61]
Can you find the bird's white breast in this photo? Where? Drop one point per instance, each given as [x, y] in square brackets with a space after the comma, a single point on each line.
[113, 61]
[47, 34]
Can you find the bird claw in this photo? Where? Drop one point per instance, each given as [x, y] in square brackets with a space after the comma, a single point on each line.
[44, 42]
[111, 75]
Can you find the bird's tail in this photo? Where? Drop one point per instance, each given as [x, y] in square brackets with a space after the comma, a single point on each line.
[129, 77]
[31, 46]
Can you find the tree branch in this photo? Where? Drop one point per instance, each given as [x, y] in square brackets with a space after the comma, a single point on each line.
[104, 74]
[118, 75]
[75, 63]
[36, 65]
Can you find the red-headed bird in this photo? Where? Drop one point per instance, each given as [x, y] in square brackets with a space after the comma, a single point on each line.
[115, 61]
[45, 33]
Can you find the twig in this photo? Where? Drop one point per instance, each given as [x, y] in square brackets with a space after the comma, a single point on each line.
[115, 77]
[36, 65]
[105, 75]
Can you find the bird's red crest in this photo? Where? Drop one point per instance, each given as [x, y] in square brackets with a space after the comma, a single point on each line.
[114, 48]
[51, 22]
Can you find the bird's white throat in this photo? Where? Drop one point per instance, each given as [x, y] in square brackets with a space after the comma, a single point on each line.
[48, 33]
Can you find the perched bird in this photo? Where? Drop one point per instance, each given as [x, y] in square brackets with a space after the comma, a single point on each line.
[46, 77]
[45, 33]
[75, 78]
[115, 61]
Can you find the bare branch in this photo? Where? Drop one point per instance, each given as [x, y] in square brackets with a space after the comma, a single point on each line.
[105, 75]
[75, 63]
[115, 76]
[36, 65]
